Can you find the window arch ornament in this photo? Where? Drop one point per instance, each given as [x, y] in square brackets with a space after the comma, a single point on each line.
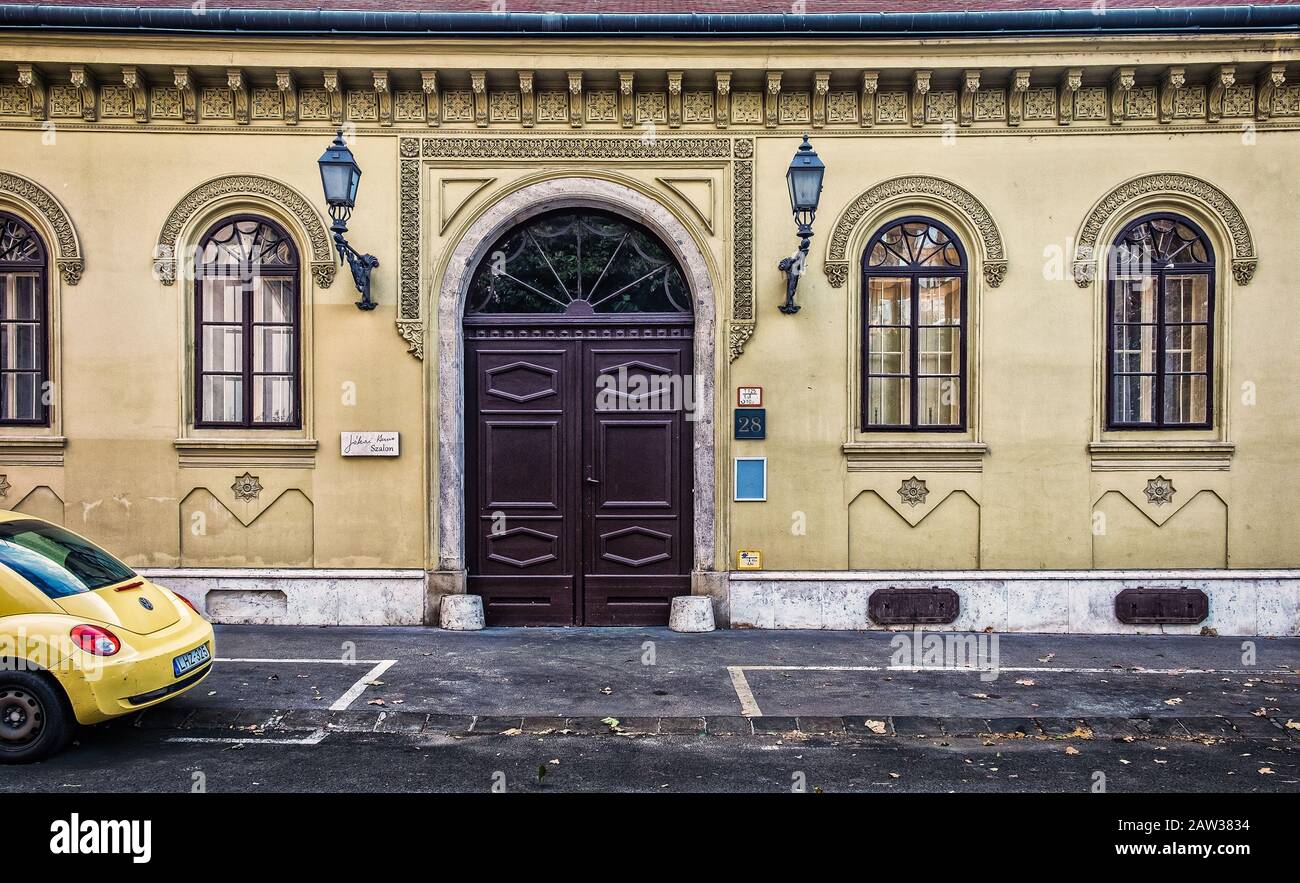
[993, 256]
[66, 246]
[1149, 189]
[169, 239]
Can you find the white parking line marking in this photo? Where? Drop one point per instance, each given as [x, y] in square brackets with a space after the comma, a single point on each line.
[360, 686]
[314, 739]
[306, 661]
[749, 706]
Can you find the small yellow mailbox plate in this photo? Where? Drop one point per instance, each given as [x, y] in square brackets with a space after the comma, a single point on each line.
[749, 559]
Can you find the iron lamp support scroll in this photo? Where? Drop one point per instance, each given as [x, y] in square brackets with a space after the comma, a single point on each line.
[360, 264]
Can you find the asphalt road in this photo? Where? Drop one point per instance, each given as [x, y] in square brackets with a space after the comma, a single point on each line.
[384, 710]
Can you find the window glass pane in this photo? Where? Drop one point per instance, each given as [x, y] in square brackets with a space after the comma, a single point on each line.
[1135, 347]
[20, 346]
[1186, 347]
[888, 350]
[18, 293]
[888, 402]
[223, 348]
[273, 300]
[273, 400]
[223, 399]
[1185, 398]
[939, 300]
[223, 300]
[1133, 399]
[1187, 298]
[938, 401]
[940, 351]
[1135, 300]
[273, 349]
[889, 301]
[20, 396]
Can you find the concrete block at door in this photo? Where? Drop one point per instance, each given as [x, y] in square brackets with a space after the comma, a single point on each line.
[462, 613]
[691, 613]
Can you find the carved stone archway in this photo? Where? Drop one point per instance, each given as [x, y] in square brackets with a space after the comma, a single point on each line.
[47, 209]
[993, 256]
[282, 195]
[448, 480]
[1172, 189]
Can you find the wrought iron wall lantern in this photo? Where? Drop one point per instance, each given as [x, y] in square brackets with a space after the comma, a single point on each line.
[804, 180]
[340, 176]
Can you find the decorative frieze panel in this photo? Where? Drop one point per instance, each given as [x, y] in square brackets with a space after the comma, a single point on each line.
[769, 98]
[313, 105]
[794, 108]
[1040, 103]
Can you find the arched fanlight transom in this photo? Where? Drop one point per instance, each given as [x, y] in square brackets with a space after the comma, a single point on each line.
[19, 243]
[578, 263]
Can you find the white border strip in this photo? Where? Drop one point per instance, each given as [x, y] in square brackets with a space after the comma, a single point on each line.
[360, 686]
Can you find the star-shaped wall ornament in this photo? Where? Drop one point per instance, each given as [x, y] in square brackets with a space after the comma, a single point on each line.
[1160, 490]
[246, 487]
[913, 491]
[4, 485]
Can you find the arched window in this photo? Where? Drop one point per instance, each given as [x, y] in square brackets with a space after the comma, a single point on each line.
[246, 346]
[914, 368]
[24, 324]
[579, 263]
[1160, 341]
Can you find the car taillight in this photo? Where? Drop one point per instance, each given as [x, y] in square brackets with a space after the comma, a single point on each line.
[96, 640]
[189, 604]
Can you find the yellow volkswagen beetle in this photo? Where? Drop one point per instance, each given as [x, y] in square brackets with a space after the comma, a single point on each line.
[83, 638]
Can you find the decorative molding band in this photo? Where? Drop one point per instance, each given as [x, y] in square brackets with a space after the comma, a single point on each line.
[1086, 255]
[239, 453]
[412, 151]
[169, 245]
[67, 247]
[39, 450]
[904, 457]
[836, 265]
[1143, 456]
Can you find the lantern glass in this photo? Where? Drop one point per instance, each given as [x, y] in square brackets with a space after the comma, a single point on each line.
[804, 180]
[340, 175]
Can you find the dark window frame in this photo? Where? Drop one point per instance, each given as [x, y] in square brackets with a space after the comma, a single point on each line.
[1208, 268]
[41, 270]
[293, 272]
[913, 273]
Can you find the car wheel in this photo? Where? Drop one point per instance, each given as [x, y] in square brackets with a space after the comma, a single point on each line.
[34, 718]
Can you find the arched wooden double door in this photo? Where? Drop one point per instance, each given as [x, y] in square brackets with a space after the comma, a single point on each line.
[579, 396]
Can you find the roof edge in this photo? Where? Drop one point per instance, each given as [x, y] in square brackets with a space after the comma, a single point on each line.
[49, 18]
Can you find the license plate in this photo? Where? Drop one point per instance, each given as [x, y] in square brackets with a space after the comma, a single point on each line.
[191, 660]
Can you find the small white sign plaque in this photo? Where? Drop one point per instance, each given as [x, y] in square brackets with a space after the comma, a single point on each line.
[370, 444]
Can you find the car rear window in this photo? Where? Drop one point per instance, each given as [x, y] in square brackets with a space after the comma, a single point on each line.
[56, 561]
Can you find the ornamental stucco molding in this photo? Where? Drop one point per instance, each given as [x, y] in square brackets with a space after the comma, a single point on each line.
[412, 152]
[919, 187]
[35, 198]
[1174, 184]
[284, 196]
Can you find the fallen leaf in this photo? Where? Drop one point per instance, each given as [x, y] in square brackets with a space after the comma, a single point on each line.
[894, 776]
[513, 731]
[1293, 725]
[1026, 682]
[1174, 701]
[1260, 712]
[877, 727]
[1048, 658]
[979, 695]
[1266, 771]
[376, 702]
[1125, 762]
[611, 722]
[374, 683]
[1070, 749]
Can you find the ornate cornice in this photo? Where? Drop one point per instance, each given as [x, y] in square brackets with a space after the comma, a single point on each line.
[1205, 194]
[920, 187]
[169, 245]
[67, 247]
[412, 152]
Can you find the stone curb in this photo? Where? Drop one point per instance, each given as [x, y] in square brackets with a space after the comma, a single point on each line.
[840, 727]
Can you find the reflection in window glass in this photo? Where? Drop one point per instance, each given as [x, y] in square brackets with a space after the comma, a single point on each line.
[23, 331]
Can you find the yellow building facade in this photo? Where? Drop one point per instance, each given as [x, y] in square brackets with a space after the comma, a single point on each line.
[1045, 350]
